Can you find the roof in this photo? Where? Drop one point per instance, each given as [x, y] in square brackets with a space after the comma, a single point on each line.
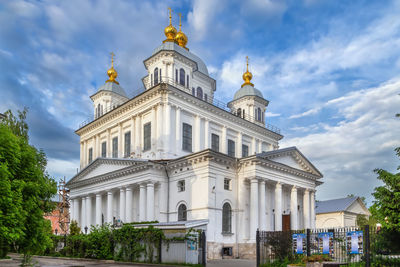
[113, 87]
[334, 205]
[171, 46]
[247, 90]
[175, 224]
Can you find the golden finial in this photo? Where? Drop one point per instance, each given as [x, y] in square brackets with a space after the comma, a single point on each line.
[112, 73]
[180, 37]
[247, 76]
[170, 30]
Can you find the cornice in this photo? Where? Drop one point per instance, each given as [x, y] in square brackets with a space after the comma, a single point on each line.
[110, 175]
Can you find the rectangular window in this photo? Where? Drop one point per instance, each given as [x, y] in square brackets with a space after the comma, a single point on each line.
[231, 148]
[127, 150]
[181, 185]
[205, 97]
[90, 155]
[245, 151]
[160, 76]
[187, 137]
[104, 149]
[147, 136]
[227, 184]
[115, 147]
[215, 142]
[176, 75]
[187, 80]
[193, 91]
[151, 80]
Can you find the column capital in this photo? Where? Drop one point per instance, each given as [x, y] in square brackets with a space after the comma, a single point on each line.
[294, 188]
[142, 185]
[254, 180]
[109, 192]
[262, 182]
[128, 188]
[148, 184]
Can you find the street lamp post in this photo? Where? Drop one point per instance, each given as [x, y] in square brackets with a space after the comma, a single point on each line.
[86, 228]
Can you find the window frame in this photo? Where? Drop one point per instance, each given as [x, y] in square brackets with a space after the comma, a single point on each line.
[90, 155]
[228, 184]
[115, 147]
[199, 92]
[231, 148]
[182, 76]
[147, 136]
[187, 141]
[226, 218]
[182, 213]
[127, 144]
[104, 149]
[217, 142]
[247, 149]
[156, 76]
[181, 186]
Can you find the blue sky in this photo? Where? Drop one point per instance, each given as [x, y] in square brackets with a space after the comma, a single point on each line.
[331, 70]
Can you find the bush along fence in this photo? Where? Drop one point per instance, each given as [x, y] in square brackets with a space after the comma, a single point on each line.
[127, 243]
[350, 245]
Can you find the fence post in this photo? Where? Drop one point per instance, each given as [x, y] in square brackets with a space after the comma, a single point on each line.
[308, 242]
[367, 246]
[258, 247]
[159, 249]
[204, 245]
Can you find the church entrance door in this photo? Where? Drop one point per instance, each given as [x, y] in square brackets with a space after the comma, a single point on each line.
[285, 222]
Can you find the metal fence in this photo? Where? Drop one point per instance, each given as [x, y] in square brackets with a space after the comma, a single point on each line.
[340, 245]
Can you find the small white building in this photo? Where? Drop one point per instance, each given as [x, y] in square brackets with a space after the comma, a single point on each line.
[173, 152]
[340, 212]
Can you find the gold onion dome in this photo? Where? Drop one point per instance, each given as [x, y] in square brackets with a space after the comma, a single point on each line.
[247, 76]
[112, 73]
[180, 37]
[170, 31]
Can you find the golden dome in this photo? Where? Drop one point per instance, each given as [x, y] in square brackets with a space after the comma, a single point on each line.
[247, 76]
[180, 37]
[170, 31]
[112, 73]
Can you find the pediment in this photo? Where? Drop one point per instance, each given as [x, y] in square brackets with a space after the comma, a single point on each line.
[102, 166]
[291, 157]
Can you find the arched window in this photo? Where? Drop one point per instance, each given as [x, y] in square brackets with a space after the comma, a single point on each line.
[182, 77]
[226, 218]
[155, 76]
[182, 214]
[193, 91]
[243, 114]
[199, 93]
[259, 114]
[239, 112]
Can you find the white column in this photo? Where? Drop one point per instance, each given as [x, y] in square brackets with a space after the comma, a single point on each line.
[206, 134]
[83, 213]
[259, 146]
[293, 208]
[88, 211]
[122, 204]
[312, 198]
[82, 156]
[142, 203]
[306, 209]
[129, 198]
[278, 207]
[71, 210]
[178, 134]
[268, 207]
[76, 210]
[253, 208]
[167, 125]
[263, 217]
[150, 202]
[239, 146]
[109, 207]
[138, 142]
[98, 208]
[160, 132]
[197, 134]
[224, 141]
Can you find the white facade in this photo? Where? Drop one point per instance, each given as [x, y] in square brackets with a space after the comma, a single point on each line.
[171, 145]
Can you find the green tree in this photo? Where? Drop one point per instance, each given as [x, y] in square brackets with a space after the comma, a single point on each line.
[387, 198]
[25, 189]
[74, 229]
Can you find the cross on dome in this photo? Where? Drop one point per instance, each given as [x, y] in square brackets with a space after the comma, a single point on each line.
[247, 76]
[112, 73]
[170, 30]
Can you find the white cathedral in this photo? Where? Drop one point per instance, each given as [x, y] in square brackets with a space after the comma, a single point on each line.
[174, 153]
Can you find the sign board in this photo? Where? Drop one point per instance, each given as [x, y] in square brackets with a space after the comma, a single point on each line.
[325, 243]
[299, 243]
[354, 242]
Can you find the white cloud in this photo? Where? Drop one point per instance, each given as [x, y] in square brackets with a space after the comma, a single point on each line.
[347, 152]
[271, 114]
[306, 113]
[58, 167]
